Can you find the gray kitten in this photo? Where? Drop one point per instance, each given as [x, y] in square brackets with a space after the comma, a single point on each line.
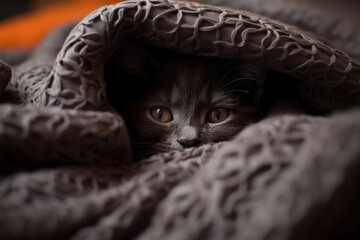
[173, 101]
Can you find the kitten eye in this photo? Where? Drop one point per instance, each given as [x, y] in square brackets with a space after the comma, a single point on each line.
[161, 114]
[217, 115]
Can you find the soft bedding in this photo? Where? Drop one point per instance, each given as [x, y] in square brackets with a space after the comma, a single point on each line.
[67, 170]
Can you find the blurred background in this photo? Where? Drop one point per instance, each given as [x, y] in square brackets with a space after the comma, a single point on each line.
[9, 8]
[23, 23]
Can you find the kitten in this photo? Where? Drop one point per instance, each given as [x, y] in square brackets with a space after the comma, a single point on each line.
[172, 101]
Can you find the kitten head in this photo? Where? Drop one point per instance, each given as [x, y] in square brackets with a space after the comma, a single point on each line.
[191, 101]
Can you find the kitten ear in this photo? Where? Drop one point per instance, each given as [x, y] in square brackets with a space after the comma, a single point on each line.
[128, 73]
[133, 60]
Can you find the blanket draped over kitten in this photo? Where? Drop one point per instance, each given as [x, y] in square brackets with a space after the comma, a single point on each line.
[66, 155]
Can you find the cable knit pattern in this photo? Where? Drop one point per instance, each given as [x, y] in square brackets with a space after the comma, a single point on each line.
[66, 158]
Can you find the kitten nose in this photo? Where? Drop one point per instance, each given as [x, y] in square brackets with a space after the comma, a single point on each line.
[187, 143]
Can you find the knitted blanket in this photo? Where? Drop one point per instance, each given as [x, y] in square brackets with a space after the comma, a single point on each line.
[335, 21]
[66, 157]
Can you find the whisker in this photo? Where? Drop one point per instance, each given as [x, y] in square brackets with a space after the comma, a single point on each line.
[254, 68]
[225, 75]
[235, 80]
[237, 90]
[245, 69]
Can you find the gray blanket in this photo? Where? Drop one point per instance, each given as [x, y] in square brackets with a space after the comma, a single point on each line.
[66, 157]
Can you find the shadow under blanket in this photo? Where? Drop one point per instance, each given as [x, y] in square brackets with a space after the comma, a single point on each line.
[66, 157]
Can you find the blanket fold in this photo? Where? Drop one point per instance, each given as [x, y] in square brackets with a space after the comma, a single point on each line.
[66, 155]
[5, 76]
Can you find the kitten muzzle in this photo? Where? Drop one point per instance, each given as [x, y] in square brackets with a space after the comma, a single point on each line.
[188, 143]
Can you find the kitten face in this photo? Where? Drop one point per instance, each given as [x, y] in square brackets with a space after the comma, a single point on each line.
[190, 101]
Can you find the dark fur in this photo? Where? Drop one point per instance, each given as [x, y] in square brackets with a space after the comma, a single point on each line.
[189, 86]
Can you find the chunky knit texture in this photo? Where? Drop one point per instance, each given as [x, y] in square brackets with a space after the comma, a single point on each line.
[65, 154]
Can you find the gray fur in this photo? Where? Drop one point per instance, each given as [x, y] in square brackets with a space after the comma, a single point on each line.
[190, 86]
